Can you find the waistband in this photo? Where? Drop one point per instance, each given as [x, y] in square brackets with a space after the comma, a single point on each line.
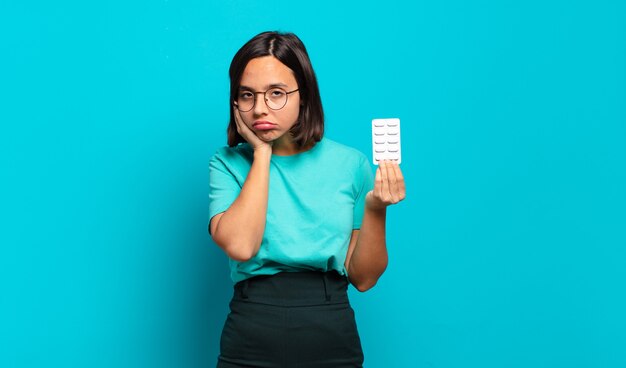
[290, 289]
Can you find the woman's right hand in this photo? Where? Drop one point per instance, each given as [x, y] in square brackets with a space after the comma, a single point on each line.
[250, 206]
[255, 142]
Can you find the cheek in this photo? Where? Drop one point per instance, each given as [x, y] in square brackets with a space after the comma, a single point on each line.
[247, 118]
[294, 113]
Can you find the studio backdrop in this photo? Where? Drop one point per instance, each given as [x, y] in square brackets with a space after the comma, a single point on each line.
[509, 250]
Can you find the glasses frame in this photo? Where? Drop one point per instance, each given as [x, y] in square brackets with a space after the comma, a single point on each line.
[287, 93]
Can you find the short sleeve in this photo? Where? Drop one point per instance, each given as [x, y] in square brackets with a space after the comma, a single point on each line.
[223, 186]
[364, 182]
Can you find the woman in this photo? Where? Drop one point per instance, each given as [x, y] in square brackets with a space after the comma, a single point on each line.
[295, 213]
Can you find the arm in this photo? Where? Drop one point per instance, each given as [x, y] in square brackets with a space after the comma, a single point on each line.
[239, 230]
[367, 254]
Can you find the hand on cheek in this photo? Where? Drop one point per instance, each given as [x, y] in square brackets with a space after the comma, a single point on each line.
[248, 134]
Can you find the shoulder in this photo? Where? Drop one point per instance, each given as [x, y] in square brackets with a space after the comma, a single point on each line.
[344, 151]
[239, 154]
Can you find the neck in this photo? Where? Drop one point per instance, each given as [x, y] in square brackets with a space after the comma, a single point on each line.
[286, 147]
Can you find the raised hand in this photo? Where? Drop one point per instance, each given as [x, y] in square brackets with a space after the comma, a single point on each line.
[247, 133]
[388, 186]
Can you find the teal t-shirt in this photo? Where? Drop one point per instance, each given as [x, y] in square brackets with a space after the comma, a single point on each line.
[316, 198]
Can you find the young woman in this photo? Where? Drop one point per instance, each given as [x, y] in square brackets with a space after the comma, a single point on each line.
[299, 215]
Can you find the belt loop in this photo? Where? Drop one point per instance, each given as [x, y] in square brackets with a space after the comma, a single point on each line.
[244, 289]
[325, 280]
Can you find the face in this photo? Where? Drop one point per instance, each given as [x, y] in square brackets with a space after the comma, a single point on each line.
[262, 74]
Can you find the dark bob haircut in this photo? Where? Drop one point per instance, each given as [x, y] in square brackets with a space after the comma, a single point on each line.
[289, 50]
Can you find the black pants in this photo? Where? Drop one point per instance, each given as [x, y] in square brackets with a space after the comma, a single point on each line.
[291, 320]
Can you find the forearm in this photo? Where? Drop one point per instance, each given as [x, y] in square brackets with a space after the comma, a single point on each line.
[369, 259]
[240, 229]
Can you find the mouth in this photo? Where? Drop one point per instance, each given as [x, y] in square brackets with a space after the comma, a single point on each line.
[263, 125]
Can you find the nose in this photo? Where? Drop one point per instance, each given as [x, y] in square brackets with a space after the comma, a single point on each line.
[260, 107]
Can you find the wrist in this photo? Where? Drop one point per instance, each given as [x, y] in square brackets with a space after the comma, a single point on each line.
[380, 209]
[262, 151]
[373, 204]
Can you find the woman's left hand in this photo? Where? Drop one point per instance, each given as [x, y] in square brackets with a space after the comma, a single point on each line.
[388, 186]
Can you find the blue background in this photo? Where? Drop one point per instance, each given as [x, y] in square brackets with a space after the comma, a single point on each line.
[509, 251]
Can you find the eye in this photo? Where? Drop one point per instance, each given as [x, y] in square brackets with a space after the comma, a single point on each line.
[276, 93]
[245, 95]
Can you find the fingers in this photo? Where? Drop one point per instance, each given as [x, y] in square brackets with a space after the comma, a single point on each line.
[384, 187]
[245, 132]
[393, 182]
[238, 120]
[389, 186]
[401, 189]
[390, 182]
[378, 182]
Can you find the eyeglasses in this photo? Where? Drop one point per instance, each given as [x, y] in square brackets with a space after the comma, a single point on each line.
[275, 99]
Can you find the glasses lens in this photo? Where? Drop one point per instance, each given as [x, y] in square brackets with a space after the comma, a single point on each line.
[276, 98]
[245, 101]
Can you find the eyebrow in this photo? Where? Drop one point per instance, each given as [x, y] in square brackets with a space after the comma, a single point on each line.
[273, 85]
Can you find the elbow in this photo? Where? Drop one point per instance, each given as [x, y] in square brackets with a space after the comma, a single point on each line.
[240, 251]
[364, 286]
[364, 282]
[240, 255]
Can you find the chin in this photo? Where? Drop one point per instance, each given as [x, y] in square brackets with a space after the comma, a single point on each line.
[269, 136]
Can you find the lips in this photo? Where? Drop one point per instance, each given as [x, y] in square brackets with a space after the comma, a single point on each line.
[263, 125]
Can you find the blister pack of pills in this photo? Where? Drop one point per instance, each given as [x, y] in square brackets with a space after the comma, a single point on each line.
[386, 140]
